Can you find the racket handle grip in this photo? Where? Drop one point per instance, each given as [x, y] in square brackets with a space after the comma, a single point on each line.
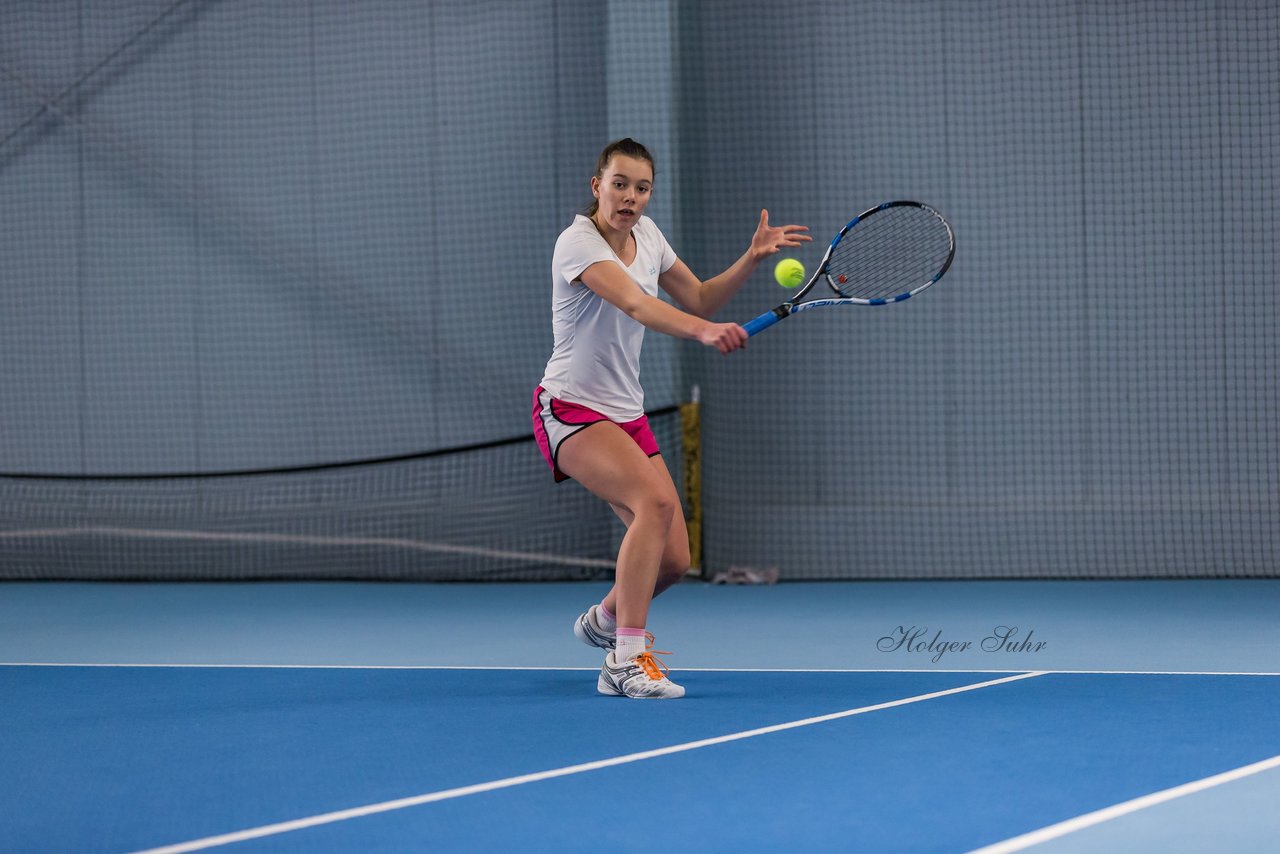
[763, 322]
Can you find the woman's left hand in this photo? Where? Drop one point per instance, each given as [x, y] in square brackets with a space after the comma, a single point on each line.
[770, 239]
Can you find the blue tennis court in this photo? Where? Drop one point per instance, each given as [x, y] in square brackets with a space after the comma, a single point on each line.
[357, 749]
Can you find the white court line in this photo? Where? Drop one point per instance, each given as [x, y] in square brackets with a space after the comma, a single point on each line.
[232, 666]
[977, 670]
[494, 785]
[1053, 831]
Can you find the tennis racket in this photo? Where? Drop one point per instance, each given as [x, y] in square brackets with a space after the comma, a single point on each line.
[884, 255]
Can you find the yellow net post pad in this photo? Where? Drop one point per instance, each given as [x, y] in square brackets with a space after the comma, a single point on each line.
[691, 438]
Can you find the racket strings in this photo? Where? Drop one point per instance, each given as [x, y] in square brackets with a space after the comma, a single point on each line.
[891, 252]
[877, 271]
[881, 275]
[886, 263]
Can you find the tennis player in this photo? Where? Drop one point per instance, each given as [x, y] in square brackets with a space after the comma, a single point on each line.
[588, 411]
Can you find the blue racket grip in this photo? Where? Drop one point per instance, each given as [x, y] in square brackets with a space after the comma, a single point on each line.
[763, 322]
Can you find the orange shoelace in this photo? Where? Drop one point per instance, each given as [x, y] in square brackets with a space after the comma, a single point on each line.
[651, 664]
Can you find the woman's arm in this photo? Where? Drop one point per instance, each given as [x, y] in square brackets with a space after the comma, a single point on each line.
[706, 298]
[612, 283]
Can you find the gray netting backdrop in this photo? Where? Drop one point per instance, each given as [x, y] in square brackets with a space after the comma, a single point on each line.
[248, 244]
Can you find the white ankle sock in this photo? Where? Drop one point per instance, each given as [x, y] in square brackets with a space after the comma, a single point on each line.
[606, 618]
[630, 643]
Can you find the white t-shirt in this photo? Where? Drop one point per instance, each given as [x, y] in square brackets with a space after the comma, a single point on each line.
[596, 359]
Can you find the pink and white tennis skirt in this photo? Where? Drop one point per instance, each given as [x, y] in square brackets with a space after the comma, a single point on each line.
[556, 420]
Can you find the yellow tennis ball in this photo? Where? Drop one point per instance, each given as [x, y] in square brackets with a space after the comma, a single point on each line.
[789, 273]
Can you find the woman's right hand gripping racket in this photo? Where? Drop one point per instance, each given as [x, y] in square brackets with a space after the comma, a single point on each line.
[884, 255]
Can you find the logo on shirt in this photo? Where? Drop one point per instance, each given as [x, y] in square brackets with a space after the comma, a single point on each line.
[653, 271]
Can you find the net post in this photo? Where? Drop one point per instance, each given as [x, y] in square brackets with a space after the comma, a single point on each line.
[691, 455]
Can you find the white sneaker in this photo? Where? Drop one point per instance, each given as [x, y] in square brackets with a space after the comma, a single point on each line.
[643, 678]
[587, 628]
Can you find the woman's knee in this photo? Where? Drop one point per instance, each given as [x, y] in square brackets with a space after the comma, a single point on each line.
[658, 506]
[675, 558]
[673, 569]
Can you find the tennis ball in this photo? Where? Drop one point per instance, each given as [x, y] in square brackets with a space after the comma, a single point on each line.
[789, 273]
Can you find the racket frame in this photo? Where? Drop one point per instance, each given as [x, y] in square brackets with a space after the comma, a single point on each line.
[796, 303]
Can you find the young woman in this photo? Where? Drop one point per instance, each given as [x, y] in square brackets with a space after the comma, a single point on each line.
[588, 411]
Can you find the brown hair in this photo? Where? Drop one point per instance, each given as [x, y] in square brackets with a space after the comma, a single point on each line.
[627, 147]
